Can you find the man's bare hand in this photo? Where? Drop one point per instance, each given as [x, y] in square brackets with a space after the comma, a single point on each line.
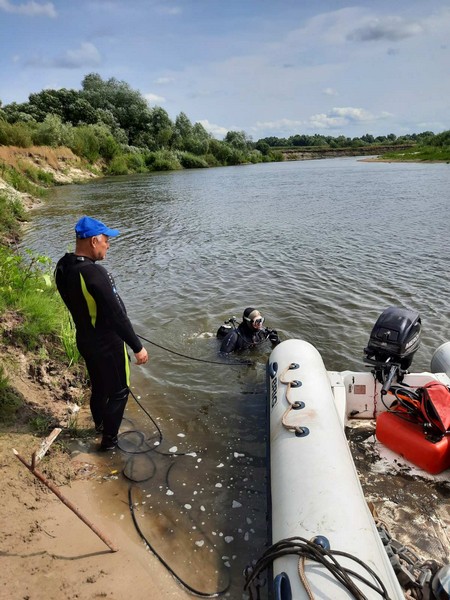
[141, 357]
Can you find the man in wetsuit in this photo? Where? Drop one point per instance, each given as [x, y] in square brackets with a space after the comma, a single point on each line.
[102, 327]
[249, 334]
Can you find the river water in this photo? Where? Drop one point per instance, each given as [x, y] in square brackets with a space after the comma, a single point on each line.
[319, 247]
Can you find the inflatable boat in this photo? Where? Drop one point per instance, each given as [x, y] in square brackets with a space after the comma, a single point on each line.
[325, 544]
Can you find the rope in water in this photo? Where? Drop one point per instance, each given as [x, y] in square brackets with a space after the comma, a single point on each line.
[242, 363]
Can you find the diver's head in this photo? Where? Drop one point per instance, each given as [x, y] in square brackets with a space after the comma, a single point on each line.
[252, 318]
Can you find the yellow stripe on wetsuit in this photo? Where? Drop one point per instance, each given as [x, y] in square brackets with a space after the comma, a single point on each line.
[127, 364]
[92, 305]
[92, 308]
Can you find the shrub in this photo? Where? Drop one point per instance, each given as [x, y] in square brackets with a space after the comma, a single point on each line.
[276, 156]
[86, 143]
[221, 150]
[94, 141]
[37, 175]
[255, 156]
[53, 132]
[11, 211]
[68, 340]
[109, 147]
[191, 161]
[212, 160]
[162, 160]
[41, 317]
[27, 288]
[20, 182]
[236, 157]
[16, 134]
[135, 162]
[118, 165]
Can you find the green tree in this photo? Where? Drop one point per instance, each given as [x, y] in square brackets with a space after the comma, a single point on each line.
[182, 131]
[198, 142]
[129, 108]
[441, 139]
[368, 138]
[238, 139]
[263, 147]
[23, 113]
[220, 150]
[160, 127]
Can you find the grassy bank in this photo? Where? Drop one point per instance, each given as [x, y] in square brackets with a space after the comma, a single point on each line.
[425, 153]
[35, 325]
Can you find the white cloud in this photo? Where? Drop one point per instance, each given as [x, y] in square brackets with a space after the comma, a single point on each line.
[86, 55]
[344, 116]
[340, 117]
[352, 114]
[278, 125]
[29, 9]
[164, 80]
[330, 92]
[392, 29]
[154, 98]
[216, 130]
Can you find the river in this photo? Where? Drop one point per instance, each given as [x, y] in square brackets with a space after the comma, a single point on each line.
[319, 247]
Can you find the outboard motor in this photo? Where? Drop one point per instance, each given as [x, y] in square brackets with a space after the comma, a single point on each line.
[393, 342]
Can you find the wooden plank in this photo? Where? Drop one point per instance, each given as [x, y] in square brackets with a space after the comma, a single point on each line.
[45, 445]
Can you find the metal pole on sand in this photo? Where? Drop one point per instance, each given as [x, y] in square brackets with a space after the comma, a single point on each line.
[37, 455]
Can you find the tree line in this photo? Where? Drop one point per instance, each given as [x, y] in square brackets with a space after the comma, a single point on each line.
[107, 120]
[327, 141]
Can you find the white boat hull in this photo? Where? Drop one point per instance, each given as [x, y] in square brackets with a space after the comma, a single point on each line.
[315, 488]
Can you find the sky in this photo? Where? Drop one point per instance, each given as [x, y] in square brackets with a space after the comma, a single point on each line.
[266, 67]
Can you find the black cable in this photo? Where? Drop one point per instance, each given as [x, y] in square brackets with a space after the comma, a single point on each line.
[149, 416]
[159, 434]
[135, 521]
[168, 567]
[312, 551]
[243, 363]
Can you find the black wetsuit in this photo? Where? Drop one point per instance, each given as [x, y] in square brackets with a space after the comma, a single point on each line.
[243, 338]
[102, 330]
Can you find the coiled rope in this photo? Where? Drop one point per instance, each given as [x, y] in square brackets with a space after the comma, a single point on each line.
[309, 550]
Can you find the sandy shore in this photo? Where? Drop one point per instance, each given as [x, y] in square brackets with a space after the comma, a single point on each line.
[48, 553]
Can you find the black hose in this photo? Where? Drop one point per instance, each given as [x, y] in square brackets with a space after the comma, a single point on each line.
[243, 363]
[160, 558]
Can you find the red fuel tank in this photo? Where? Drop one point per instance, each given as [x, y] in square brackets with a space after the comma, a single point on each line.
[408, 440]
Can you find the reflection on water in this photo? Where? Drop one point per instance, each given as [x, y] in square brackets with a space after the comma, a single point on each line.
[320, 247]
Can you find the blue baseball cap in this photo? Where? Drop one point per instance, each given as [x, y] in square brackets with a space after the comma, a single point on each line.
[87, 227]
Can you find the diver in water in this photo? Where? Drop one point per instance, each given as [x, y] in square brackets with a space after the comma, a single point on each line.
[249, 334]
